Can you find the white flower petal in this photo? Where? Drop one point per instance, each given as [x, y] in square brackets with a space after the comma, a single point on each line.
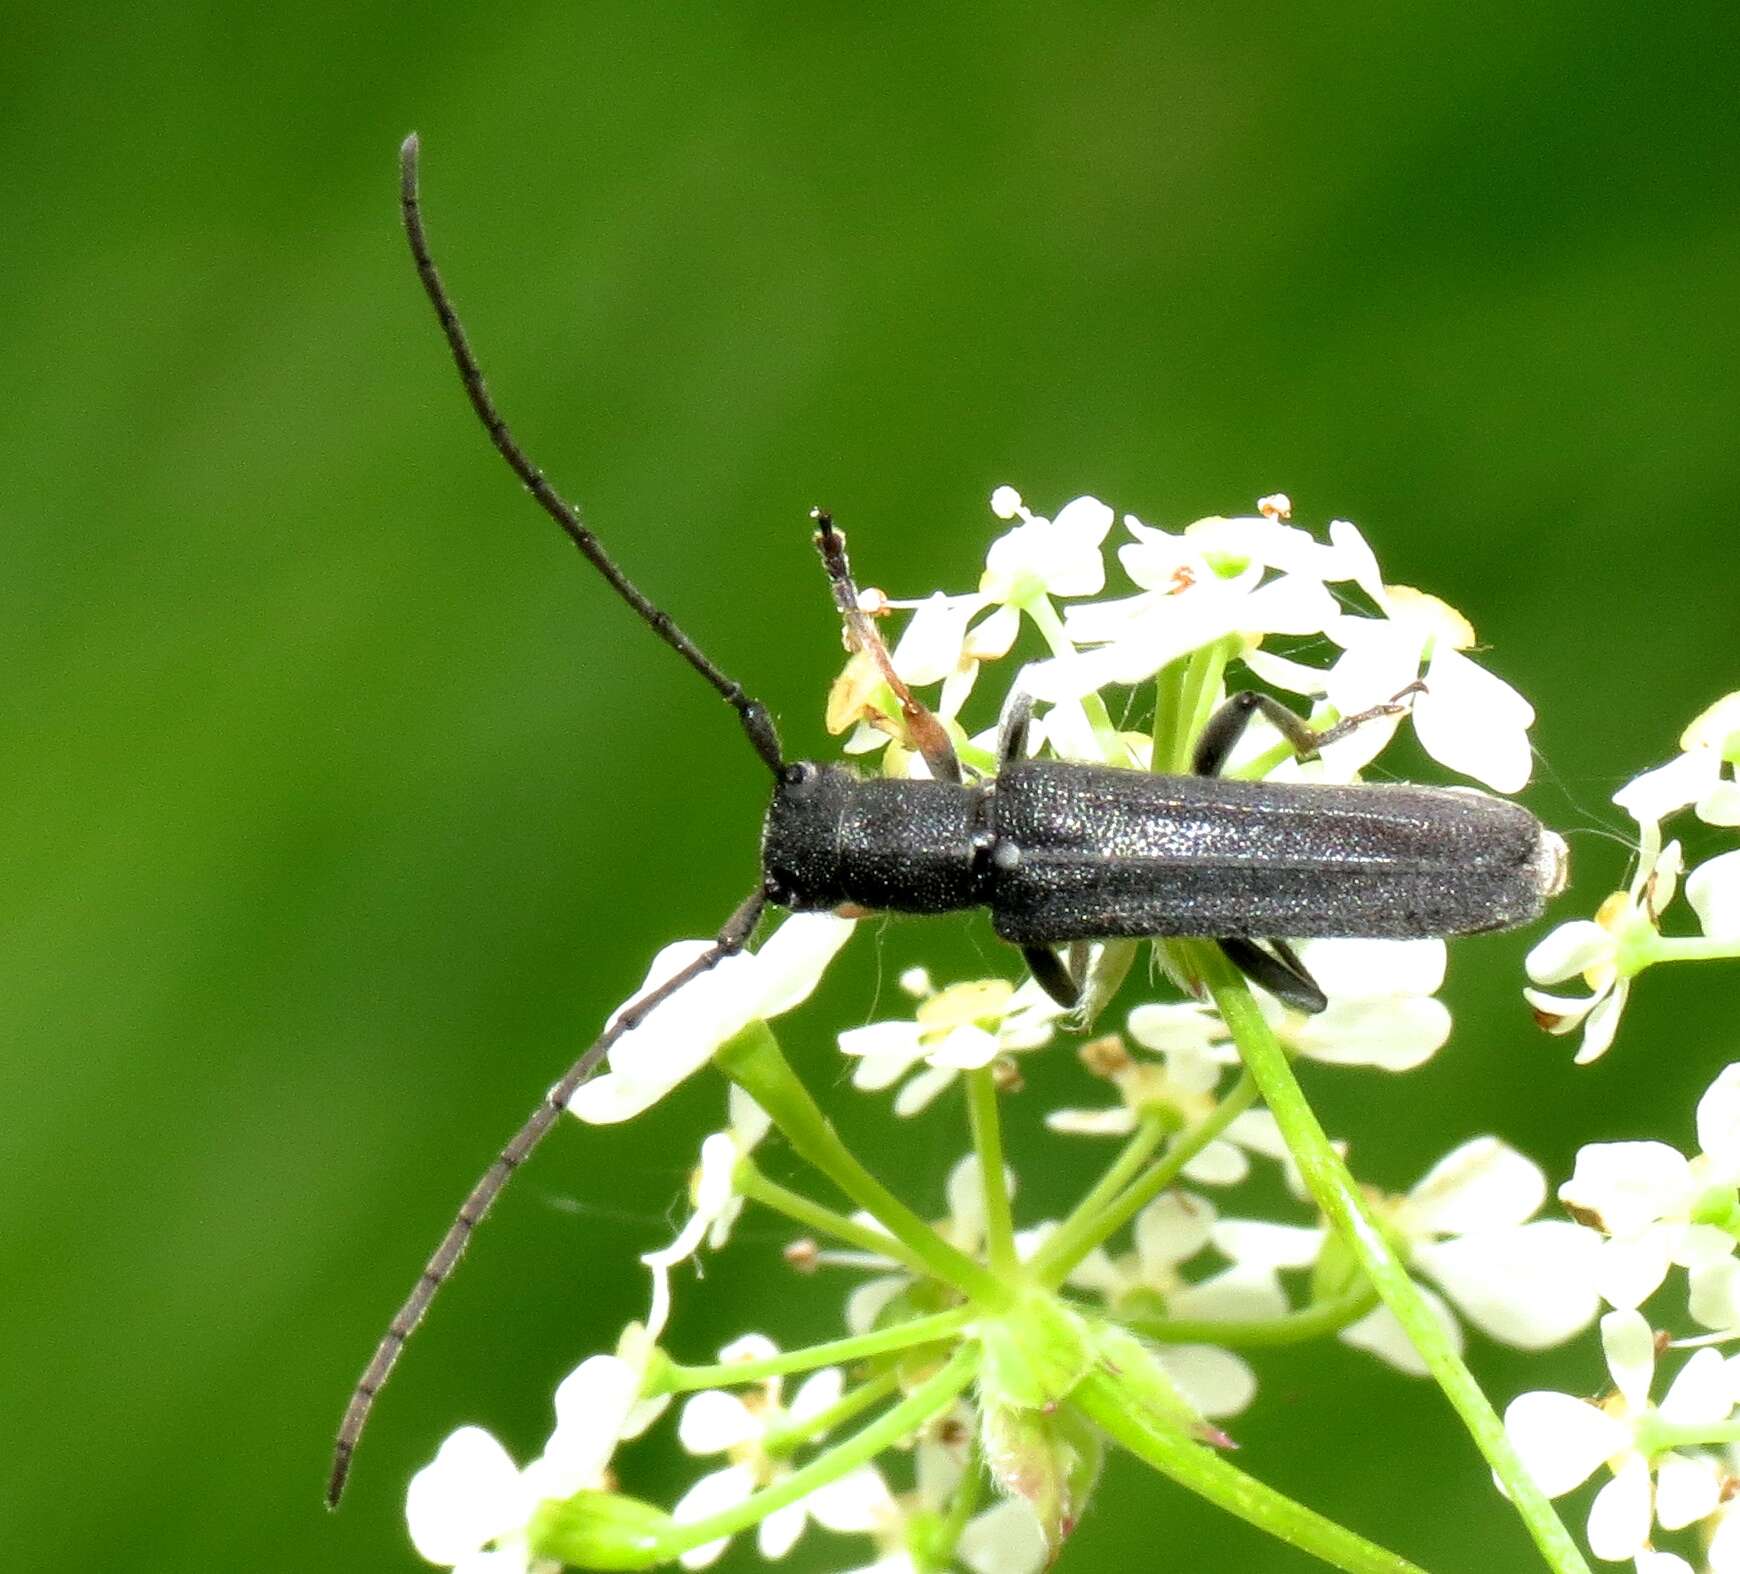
[1686, 1490]
[1629, 1345]
[791, 962]
[856, 1504]
[1652, 797]
[1118, 1121]
[1172, 1229]
[714, 1420]
[1724, 1549]
[1626, 1186]
[885, 1052]
[929, 648]
[1097, 1272]
[1560, 1013]
[1256, 1131]
[920, 1091]
[1258, 1243]
[965, 1048]
[1570, 949]
[1713, 889]
[1389, 1034]
[1721, 804]
[1362, 969]
[593, 1403]
[1651, 1562]
[468, 1495]
[1379, 659]
[778, 1533]
[1218, 1164]
[1632, 1267]
[1562, 1441]
[712, 1494]
[1482, 1184]
[1005, 1539]
[1379, 1333]
[1714, 1299]
[1169, 1028]
[1293, 677]
[1216, 1382]
[1473, 722]
[1719, 1123]
[1354, 559]
[991, 638]
[1601, 1024]
[1701, 1393]
[818, 1392]
[866, 1303]
[1244, 1292]
[1531, 1286]
[1620, 1515]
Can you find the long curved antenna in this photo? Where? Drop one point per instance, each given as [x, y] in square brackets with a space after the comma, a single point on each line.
[926, 733]
[757, 724]
[730, 940]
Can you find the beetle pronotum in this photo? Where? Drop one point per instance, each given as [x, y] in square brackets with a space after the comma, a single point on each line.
[1057, 852]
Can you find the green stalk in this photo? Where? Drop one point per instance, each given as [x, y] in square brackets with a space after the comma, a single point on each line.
[1211, 1476]
[929, 1399]
[938, 1555]
[835, 1352]
[1050, 627]
[1316, 1321]
[753, 1186]
[1064, 1243]
[1688, 948]
[1342, 1203]
[854, 1402]
[755, 1062]
[1054, 1261]
[988, 1144]
[1170, 711]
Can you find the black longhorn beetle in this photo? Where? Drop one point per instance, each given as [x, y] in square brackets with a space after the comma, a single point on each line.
[1058, 852]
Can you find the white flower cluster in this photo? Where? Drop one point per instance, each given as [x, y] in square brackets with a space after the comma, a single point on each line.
[1669, 1462]
[1234, 586]
[1240, 579]
[1625, 936]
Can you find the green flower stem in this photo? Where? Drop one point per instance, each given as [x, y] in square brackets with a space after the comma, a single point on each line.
[936, 1553]
[756, 1187]
[1186, 691]
[1655, 1436]
[988, 1144]
[1050, 627]
[1329, 1183]
[1202, 690]
[755, 1062]
[1054, 1261]
[783, 1439]
[925, 1401]
[1066, 1243]
[1210, 1475]
[1170, 709]
[1316, 1321]
[835, 1352]
[1685, 948]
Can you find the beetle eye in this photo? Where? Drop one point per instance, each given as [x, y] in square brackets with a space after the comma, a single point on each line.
[801, 778]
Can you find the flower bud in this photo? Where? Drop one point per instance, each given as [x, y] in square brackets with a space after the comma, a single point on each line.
[600, 1530]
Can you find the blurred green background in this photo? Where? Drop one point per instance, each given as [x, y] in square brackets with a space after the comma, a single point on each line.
[342, 804]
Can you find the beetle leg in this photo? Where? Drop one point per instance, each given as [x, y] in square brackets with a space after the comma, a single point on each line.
[1012, 733]
[1227, 725]
[1054, 978]
[1280, 972]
